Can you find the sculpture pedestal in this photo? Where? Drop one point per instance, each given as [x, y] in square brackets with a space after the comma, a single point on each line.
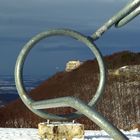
[61, 131]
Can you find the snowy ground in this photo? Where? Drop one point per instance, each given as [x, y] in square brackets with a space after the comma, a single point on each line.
[31, 134]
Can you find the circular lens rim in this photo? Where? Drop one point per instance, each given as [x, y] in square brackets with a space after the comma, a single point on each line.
[20, 64]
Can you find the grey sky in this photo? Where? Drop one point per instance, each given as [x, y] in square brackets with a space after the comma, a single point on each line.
[22, 19]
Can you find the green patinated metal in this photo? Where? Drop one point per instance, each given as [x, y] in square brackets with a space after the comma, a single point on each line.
[130, 11]
[129, 17]
[26, 49]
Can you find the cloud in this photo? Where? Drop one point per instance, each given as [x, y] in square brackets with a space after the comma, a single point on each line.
[60, 48]
[21, 20]
[112, 1]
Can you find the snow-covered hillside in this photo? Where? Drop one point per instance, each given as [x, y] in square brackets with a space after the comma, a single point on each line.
[32, 134]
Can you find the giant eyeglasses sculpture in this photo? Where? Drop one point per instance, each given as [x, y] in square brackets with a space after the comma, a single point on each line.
[130, 11]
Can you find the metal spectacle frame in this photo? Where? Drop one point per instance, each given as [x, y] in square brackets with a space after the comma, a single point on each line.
[130, 11]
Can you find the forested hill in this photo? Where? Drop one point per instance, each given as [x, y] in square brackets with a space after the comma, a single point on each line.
[120, 102]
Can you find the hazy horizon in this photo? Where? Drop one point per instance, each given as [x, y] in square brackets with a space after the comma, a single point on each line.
[21, 20]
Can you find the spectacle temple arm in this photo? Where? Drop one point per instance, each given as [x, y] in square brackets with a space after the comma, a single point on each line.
[129, 12]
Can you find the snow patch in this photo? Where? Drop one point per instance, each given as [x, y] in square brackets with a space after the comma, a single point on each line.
[32, 134]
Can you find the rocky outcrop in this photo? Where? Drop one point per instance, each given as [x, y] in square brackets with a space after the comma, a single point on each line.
[128, 70]
[71, 65]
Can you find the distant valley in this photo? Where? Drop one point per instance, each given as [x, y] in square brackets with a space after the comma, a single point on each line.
[120, 102]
